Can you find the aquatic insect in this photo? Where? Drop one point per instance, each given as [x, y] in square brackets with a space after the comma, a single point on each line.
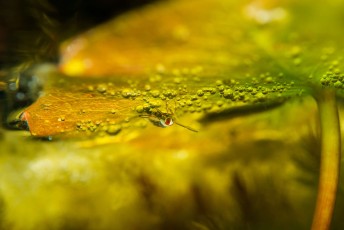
[164, 119]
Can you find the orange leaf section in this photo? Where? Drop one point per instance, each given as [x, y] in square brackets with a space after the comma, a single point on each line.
[74, 112]
[174, 34]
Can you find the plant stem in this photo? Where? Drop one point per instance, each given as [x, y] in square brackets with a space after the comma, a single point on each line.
[330, 160]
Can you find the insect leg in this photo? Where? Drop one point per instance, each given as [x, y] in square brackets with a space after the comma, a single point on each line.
[187, 127]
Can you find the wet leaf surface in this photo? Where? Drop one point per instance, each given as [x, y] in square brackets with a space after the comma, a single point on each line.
[218, 59]
[237, 54]
[63, 112]
[71, 108]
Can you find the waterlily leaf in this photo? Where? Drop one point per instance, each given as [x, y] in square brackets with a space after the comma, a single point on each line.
[221, 36]
[97, 106]
[197, 63]
[61, 112]
[172, 34]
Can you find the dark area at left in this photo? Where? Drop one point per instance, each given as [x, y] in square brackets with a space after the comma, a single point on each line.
[30, 33]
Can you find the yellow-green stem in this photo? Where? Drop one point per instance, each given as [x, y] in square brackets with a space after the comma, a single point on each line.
[330, 160]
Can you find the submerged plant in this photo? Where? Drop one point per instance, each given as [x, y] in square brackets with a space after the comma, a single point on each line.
[207, 63]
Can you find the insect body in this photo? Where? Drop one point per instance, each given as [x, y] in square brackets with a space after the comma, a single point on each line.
[160, 118]
[164, 119]
[167, 122]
